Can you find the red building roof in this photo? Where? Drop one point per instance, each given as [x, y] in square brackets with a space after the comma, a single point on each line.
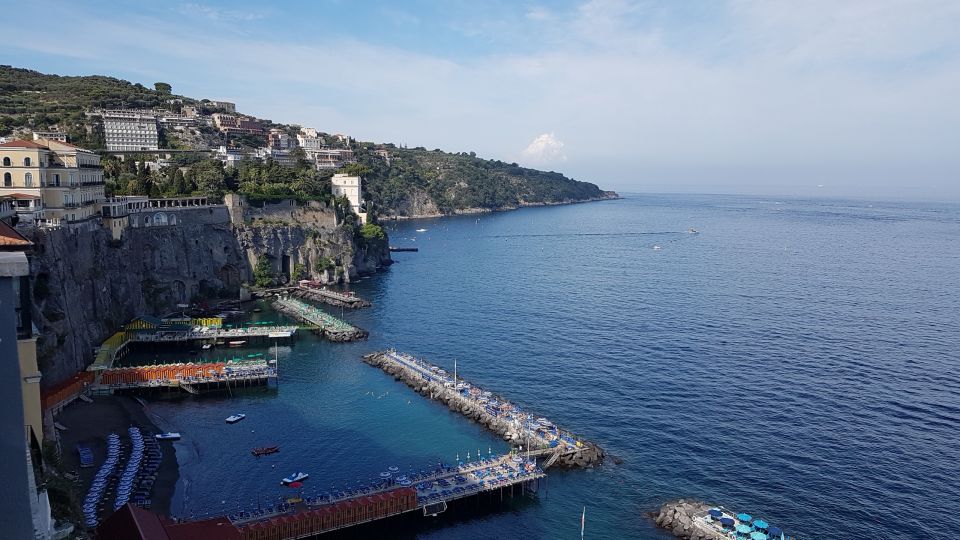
[133, 523]
[11, 239]
[23, 144]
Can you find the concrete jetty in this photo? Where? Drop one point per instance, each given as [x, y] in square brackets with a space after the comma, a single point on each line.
[538, 436]
[333, 298]
[326, 325]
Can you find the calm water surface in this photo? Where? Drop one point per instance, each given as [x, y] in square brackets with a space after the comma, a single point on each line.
[796, 359]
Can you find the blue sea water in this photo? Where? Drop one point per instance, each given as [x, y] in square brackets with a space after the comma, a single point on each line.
[795, 359]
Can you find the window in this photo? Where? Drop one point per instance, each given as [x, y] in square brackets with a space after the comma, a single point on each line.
[56, 179]
[7, 179]
[28, 179]
[6, 162]
[26, 162]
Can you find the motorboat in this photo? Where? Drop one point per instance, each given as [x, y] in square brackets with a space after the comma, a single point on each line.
[236, 343]
[265, 450]
[169, 436]
[421, 230]
[233, 419]
[296, 477]
[207, 346]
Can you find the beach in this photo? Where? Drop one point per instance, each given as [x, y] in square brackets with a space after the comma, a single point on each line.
[90, 423]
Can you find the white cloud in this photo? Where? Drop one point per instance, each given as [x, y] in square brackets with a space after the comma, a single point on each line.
[545, 149]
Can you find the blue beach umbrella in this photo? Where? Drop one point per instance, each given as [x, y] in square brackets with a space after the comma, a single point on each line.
[744, 529]
[760, 524]
[744, 517]
[715, 512]
[757, 535]
[726, 521]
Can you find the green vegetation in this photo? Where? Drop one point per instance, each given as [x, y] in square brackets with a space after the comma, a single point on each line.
[299, 272]
[459, 181]
[372, 232]
[325, 263]
[262, 271]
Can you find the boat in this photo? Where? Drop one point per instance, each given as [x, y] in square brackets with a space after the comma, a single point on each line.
[257, 310]
[233, 419]
[656, 247]
[236, 343]
[207, 346]
[296, 477]
[265, 450]
[421, 230]
[691, 230]
[169, 436]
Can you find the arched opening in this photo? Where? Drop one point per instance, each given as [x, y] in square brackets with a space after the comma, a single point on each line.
[179, 290]
[159, 219]
[7, 179]
[6, 162]
[230, 277]
[173, 219]
[146, 221]
[28, 180]
[26, 162]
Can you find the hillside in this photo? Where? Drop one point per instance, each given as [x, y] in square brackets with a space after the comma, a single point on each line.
[411, 182]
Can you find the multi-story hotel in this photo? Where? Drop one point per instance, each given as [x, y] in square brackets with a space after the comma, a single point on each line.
[126, 131]
[59, 182]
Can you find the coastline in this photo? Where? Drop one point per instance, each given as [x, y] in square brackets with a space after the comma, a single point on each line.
[607, 196]
[90, 423]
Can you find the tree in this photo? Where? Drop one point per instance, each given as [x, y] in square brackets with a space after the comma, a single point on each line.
[163, 88]
[299, 272]
[262, 271]
[371, 231]
[356, 169]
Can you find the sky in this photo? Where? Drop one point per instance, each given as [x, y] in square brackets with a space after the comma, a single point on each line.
[815, 98]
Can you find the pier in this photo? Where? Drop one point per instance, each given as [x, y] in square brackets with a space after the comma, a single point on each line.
[391, 494]
[181, 331]
[539, 436]
[192, 378]
[396, 249]
[326, 325]
[327, 296]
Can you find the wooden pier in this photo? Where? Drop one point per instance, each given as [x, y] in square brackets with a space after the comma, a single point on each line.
[538, 435]
[428, 492]
[326, 325]
[192, 378]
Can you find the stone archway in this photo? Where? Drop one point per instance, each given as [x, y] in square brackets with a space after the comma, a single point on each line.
[230, 277]
[179, 290]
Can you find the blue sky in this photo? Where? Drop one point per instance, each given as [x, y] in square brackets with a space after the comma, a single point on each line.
[853, 98]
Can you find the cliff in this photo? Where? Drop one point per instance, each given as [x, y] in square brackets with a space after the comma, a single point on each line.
[85, 284]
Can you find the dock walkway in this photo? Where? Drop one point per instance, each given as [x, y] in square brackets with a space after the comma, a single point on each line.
[538, 435]
[327, 325]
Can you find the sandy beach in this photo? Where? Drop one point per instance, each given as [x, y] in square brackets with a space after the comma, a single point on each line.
[90, 423]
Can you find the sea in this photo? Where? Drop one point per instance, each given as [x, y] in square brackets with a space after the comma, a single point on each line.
[795, 359]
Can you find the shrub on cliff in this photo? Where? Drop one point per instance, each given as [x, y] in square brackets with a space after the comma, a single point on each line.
[373, 232]
[263, 272]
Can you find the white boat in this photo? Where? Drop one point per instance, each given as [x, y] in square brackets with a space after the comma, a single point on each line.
[235, 418]
[421, 230]
[656, 247]
[167, 436]
[296, 477]
[236, 343]
[206, 346]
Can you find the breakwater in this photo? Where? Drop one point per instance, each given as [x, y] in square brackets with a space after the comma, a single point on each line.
[538, 436]
[326, 325]
[697, 520]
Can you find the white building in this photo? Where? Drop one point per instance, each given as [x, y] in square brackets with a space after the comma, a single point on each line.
[310, 132]
[310, 144]
[231, 155]
[228, 106]
[345, 185]
[130, 130]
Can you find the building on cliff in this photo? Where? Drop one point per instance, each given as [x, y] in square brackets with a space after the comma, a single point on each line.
[26, 511]
[130, 130]
[58, 183]
[345, 185]
[137, 211]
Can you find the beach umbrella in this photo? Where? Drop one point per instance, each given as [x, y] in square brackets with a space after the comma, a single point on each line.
[743, 528]
[744, 517]
[715, 512]
[757, 535]
[775, 531]
[760, 524]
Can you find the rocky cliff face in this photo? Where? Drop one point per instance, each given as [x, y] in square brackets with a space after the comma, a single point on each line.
[86, 285]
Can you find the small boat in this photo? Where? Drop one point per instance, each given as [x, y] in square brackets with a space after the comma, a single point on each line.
[169, 436]
[656, 247]
[257, 310]
[207, 346]
[421, 230]
[236, 343]
[233, 419]
[265, 450]
[296, 477]
[691, 230]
